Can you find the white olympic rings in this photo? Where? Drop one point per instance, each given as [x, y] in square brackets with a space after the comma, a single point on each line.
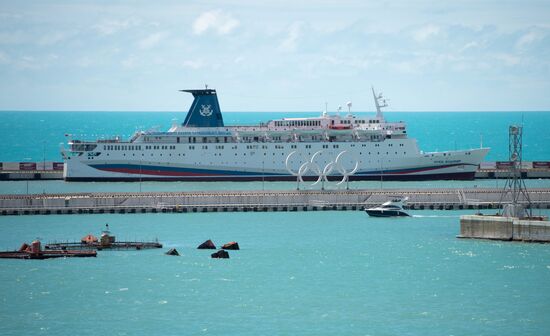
[312, 166]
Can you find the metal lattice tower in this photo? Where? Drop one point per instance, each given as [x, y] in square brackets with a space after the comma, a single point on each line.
[514, 205]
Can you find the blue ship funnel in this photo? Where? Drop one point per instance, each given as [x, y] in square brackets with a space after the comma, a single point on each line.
[205, 110]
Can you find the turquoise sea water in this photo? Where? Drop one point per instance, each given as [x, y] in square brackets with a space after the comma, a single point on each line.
[33, 136]
[298, 273]
[301, 273]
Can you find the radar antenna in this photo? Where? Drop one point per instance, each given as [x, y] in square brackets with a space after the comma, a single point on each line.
[380, 102]
[515, 185]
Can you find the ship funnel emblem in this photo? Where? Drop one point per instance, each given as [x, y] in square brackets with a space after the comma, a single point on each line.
[206, 110]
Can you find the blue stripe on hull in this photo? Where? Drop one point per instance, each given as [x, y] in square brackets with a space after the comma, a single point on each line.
[184, 172]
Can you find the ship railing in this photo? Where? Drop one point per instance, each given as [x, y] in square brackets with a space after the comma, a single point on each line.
[135, 136]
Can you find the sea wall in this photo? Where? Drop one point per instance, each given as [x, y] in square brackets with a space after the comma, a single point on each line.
[274, 200]
[504, 228]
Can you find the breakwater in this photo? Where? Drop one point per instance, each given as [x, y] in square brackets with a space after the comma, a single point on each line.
[232, 201]
[504, 228]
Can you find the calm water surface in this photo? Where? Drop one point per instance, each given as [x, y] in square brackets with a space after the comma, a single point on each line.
[313, 273]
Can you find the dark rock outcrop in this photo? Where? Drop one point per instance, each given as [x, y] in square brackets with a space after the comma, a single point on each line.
[207, 245]
[231, 246]
[172, 252]
[221, 254]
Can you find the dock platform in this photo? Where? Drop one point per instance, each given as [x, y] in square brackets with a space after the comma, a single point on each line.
[99, 247]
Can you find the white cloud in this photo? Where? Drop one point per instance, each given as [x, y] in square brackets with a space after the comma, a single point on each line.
[217, 21]
[426, 32]
[110, 27]
[294, 33]
[152, 40]
[4, 59]
[130, 62]
[84, 62]
[55, 37]
[528, 38]
[13, 37]
[508, 59]
[193, 64]
[469, 45]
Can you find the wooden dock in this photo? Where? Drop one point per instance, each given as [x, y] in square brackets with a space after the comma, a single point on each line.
[279, 200]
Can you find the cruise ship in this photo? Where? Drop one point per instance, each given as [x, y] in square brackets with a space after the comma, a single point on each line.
[327, 147]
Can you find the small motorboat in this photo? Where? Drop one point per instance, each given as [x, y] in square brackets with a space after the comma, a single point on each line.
[391, 208]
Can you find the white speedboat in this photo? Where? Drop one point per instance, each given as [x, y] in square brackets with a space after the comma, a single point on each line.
[391, 208]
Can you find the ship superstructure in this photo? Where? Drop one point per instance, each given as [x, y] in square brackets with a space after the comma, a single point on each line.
[203, 148]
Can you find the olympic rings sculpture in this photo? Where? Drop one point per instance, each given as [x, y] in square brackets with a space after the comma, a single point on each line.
[312, 166]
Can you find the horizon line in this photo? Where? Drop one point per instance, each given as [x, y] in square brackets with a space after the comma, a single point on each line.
[330, 112]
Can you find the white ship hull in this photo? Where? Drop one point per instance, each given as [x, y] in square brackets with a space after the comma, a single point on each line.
[327, 147]
[245, 164]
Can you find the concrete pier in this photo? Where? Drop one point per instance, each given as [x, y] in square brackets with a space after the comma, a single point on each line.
[30, 175]
[504, 228]
[280, 200]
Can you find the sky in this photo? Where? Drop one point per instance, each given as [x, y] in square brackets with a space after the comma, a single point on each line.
[482, 55]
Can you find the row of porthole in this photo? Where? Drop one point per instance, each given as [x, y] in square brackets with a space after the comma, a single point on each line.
[244, 154]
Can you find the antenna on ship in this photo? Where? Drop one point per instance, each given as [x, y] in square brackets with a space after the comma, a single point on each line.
[325, 112]
[339, 109]
[349, 108]
[380, 102]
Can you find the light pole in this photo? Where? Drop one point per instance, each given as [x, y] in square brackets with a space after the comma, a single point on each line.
[140, 160]
[43, 154]
[263, 175]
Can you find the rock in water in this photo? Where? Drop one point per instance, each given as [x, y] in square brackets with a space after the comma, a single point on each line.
[231, 246]
[208, 245]
[221, 254]
[172, 252]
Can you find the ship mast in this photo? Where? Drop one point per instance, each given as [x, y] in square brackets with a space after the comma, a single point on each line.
[380, 103]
